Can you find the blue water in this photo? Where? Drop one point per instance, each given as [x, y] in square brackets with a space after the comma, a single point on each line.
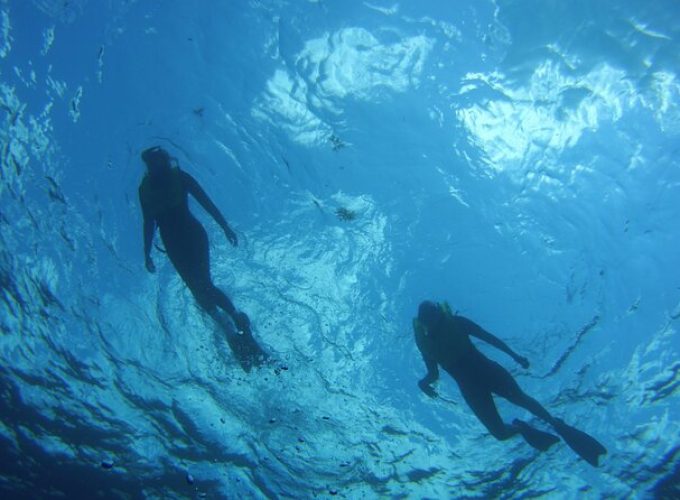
[516, 158]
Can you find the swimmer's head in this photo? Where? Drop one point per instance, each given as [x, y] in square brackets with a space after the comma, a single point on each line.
[157, 160]
[429, 314]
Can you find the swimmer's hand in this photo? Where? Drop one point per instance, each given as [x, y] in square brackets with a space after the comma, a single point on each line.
[524, 362]
[149, 264]
[427, 389]
[231, 235]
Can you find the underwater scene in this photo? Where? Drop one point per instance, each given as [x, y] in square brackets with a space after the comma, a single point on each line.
[339, 249]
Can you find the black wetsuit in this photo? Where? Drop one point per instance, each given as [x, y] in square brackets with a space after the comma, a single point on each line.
[448, 345]
[164, 202]
[444, 340]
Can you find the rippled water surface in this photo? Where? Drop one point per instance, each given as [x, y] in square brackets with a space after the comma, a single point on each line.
[518, 158]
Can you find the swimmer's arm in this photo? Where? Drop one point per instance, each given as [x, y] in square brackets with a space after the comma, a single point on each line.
[148, 232]
[472, 328]
[432, 373]
[432, 376]
[432, 369]
[197, 192]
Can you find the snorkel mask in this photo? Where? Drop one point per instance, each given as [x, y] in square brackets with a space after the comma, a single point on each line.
[430, 313]
[157, 160]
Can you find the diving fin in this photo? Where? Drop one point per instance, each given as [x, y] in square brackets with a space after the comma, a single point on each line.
[586, 446]
[539, 440]
[245, 348]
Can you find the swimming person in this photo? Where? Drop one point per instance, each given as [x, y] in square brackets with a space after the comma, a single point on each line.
[163, 194]
[444, 340]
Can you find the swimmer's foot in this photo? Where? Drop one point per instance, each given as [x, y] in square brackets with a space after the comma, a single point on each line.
[586, 446]
[537, 439]
[242, 322]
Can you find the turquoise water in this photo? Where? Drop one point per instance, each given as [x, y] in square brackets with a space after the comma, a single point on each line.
[516, 158]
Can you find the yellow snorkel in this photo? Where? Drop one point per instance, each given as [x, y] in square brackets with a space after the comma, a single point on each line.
[445, 308]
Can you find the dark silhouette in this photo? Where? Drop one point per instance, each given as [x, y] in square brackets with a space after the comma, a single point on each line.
[163, 194]
[444, 340]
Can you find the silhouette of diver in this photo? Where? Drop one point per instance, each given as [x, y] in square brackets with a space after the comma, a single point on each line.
[163, 194]
[444, 340]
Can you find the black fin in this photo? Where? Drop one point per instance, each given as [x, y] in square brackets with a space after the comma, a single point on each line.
[540, 440]
[245, 348]
[586, 446]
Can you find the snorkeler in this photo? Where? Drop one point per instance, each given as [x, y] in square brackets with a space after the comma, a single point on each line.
[163, 194]
[444, 340]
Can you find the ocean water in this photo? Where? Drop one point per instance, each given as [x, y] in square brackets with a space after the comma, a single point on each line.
[517, 158]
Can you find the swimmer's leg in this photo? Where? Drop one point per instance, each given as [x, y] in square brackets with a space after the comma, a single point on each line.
[505, 386]
[480, 401]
